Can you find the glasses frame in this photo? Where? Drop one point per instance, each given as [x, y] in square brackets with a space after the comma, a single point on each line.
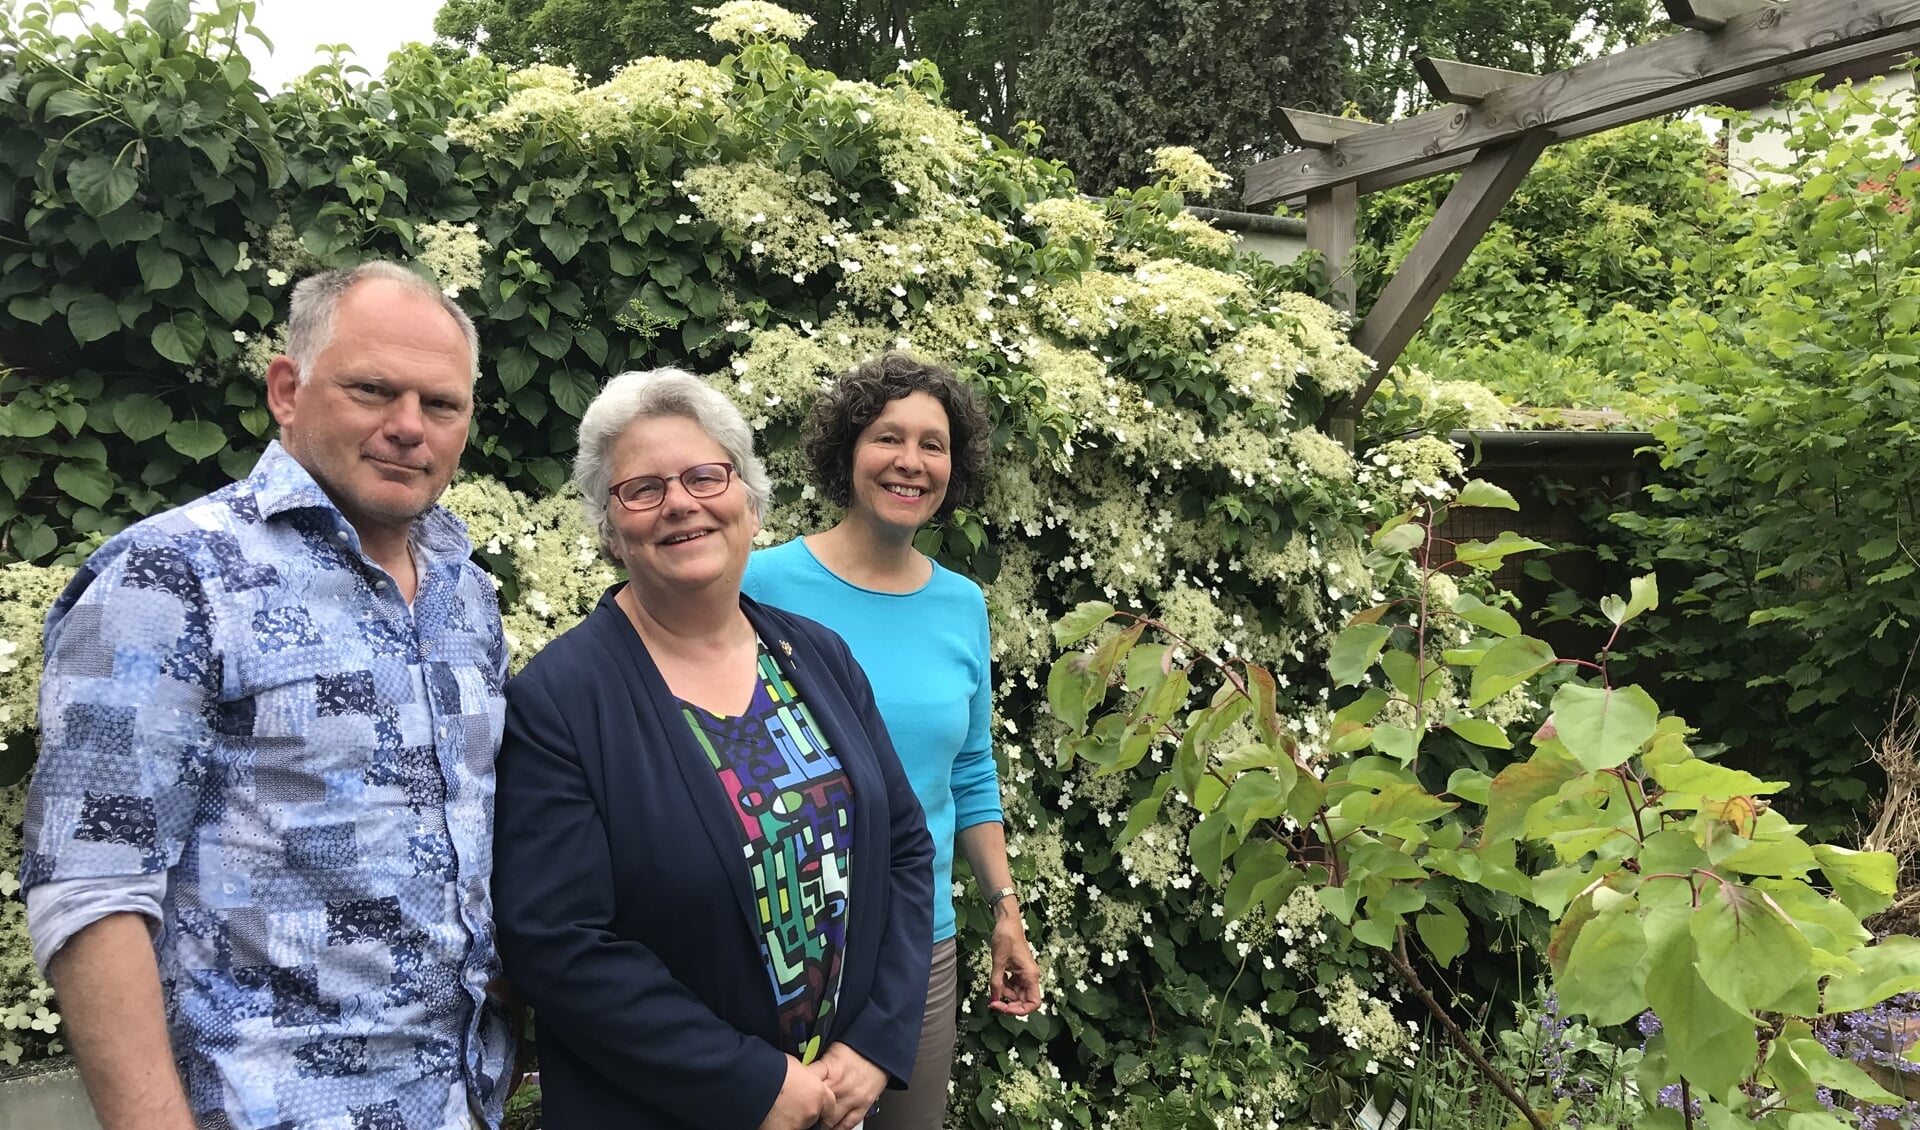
[679, 477]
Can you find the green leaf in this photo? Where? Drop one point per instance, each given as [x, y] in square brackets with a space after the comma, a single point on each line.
[1078, 624]
[517, 366]
[1602, 974]
[1444, 934]
[1479, 492]
[1469, 785]
[564, 240]
[1864, 880]
[100, 185]
[1490, 555]
[1643, 596]
[196, 439]
[1144, 812]
[1258, 870]
[1354, 651]
[88, 482]
[70, 103]
[1828, 1070]
[1210, 843]
[92, 317]
[1394, 804]
[181, 339]
[1603, 726]
[1506, 665]
[140, 416]
[1339, 902]
[1520, 786]
[1400, 539]
[1496, 620]
[1747, 952]
[1255, 796]
[1707, 1040]
[1481, 732]
[225, 294]
[1365, 708]
[572, 390]
[169, 18]
[32, 308]
[1072, 687]
[1884, 970]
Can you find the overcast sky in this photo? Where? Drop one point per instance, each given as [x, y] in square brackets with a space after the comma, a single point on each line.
[373, 27]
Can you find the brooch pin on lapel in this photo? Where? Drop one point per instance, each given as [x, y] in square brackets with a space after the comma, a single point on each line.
[787, 647]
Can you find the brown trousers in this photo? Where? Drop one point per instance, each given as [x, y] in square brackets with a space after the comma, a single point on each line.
[923, 1105]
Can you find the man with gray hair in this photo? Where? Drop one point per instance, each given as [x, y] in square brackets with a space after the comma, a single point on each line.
[259, 835]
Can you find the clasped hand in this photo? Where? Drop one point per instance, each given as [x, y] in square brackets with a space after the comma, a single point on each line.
[833, 1093]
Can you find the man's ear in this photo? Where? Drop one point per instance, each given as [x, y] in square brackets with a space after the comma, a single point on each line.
[283, 387]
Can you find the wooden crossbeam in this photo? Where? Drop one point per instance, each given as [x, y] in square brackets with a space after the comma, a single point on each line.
[1725, 89]
[1707, 15]
[1424, 275]
[1304, 129]
[1464, 83]
[1763, 47]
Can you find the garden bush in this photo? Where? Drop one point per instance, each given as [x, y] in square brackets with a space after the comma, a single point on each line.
[770, 224]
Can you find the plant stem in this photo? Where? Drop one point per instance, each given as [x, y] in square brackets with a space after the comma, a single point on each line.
[1397, 957]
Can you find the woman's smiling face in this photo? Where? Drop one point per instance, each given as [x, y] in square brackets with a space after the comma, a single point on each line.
[902, 463]
[685, 542]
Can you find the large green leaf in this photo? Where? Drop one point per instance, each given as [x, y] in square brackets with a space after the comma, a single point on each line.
[1480, 614]
[1072, 689]
[100, 184]
[1603, 726]
[92, 317]
[1443, 933]
[88, 482]
[196, 439]
[1394, 804]
[1603, 973]
[1886, 969]
[1506, 665]
[1520, 786]
[1747, 952]
[169, 18]
[1080, 623]
[1481, 732]
[1479, 492]
[141, 416]
[1864, 880]
[181, 339]
[1354, 650]
[225, 294]
[572, 390]
[159, 268]
[1707, 1040]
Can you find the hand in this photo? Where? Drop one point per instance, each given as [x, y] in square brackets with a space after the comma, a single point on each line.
[856, 1084]
[804, 1099]
[1014, 987]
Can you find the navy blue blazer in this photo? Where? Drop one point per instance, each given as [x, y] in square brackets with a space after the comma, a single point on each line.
[623, 903]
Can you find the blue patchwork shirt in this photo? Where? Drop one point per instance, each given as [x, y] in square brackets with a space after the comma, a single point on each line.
[241, 714]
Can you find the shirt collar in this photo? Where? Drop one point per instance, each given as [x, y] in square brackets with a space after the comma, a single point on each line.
[281, 485]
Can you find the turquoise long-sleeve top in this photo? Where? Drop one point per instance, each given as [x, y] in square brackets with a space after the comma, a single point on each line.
[926, 654]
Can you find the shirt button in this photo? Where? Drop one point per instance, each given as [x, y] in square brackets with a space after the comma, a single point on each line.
[342, 535]
[380, 586]
[443, 731]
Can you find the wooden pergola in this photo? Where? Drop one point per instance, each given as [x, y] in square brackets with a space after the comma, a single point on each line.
[1498, 123]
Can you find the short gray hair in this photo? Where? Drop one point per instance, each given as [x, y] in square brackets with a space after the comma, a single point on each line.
[645, 395]
[316, 305]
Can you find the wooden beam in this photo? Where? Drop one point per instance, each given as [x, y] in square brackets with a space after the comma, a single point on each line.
[1304, 129]
[1465, 215]
[1655, 78]
[1464, 83]
[1707, 15]
[1726, 89]
[1333, 229]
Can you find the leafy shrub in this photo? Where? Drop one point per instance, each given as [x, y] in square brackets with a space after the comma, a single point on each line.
[1153, 405]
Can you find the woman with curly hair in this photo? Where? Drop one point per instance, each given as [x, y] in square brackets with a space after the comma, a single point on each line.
[900, 443]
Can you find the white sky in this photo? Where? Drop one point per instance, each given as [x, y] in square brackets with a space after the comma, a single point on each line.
[373, 27]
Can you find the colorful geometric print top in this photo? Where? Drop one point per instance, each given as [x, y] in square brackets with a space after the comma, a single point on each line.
[795, 808]
[237, 699]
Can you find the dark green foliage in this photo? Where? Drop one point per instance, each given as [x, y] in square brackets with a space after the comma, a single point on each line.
[981, 46]
[1115, 79]
[1534, 36]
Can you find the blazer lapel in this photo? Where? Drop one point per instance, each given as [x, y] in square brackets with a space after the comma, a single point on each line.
[656, 707]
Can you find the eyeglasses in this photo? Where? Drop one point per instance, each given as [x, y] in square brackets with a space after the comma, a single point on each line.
[647, 492]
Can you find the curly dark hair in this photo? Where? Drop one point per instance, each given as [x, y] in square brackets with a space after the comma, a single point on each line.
[864, 391]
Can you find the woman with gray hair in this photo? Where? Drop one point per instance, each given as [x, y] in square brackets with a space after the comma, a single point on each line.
[712, 881]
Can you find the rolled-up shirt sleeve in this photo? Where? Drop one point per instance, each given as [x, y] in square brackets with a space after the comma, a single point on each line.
[58, 910]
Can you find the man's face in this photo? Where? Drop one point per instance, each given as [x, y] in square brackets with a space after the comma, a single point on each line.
[381, 419]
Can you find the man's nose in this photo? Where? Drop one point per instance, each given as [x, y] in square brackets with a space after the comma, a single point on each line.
[406, 423]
